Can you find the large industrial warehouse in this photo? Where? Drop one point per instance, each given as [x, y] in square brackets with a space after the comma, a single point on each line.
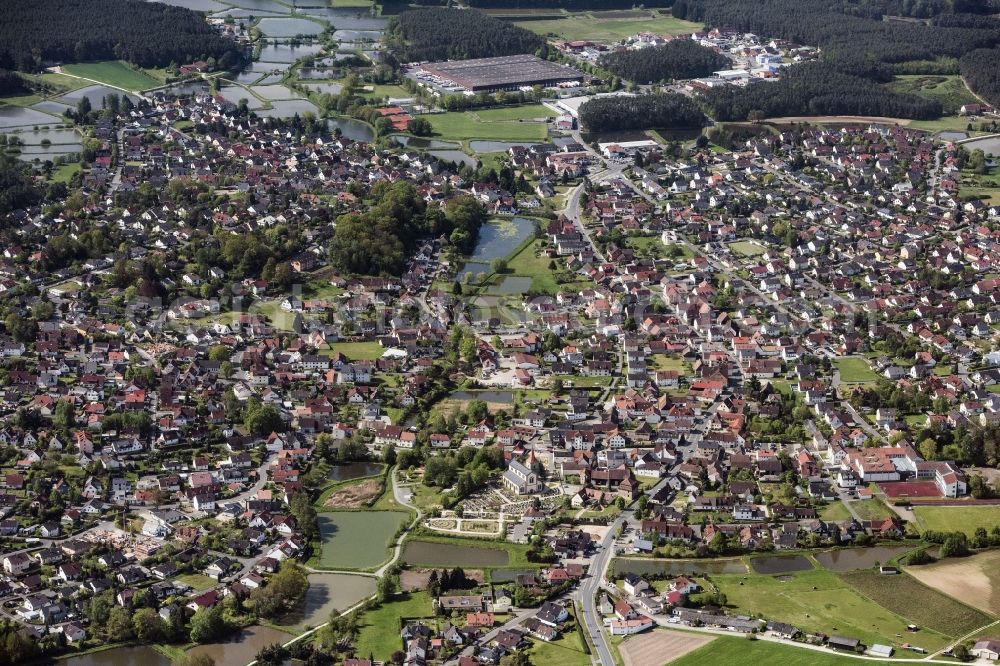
[503, 73]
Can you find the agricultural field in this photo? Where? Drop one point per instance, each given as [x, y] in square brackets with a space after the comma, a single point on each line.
[726, 651]
[610, 26]
[922, 605]
[957, 518]
[949, 90]
[855, 370]
[974, 580]
[820, 601]
[516, 123]
[115, 73]
[661, 646]
[379, 632]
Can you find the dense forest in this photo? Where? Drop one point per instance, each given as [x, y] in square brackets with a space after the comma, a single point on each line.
[147, 34]
[396, 6]
[440, 34]
[604, 114]
[11, 83]
[569, 5]
[678, 59]
[815, 88]
[378, 241]
[842, 36]
[981, 71]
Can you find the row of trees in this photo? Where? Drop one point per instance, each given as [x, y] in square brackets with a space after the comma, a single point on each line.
[603, 114]
[678, 59]
[815, 88]
[981, 73]
[147, 34]
[439, 34]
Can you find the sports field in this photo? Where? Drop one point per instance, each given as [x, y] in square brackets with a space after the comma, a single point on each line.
[515, 123]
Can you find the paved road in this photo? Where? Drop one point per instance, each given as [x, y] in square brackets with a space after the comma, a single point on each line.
[587, 591]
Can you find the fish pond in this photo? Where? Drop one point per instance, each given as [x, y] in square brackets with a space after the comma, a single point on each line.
[123, 656]
[328, 592]
[779, 564]
[643, 567]
[352, 129]
[354, 470]
[242, 647]
[433, 554]
[357, 539]
[850, 559]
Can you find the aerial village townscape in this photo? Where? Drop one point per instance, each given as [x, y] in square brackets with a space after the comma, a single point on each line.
[507, 332]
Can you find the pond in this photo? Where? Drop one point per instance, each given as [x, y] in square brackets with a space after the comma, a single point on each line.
[313, 73]
[504, 397]
[196, 5]
[989, 146]
[422, 143]
[849, 559]
[325, 88]
[354, 470]
[264, 5]
[287, 108]
[328, 592]
[778, 564]
[95, 94]
[352, 129]
[952, 136]
[241, 14]
[42, 153]
[275, 92]
[187, 88]
[31, 137]
[499, 238]
[678, 567]
[456, 156]
[235, 93]
[484, 146]
[357, 539]
[16, 116]
[343, 18]
[286, 53]
[289, 27]
[431, 554]
[357, 35]
[242, 648]
[48, 106]
[123, 656]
